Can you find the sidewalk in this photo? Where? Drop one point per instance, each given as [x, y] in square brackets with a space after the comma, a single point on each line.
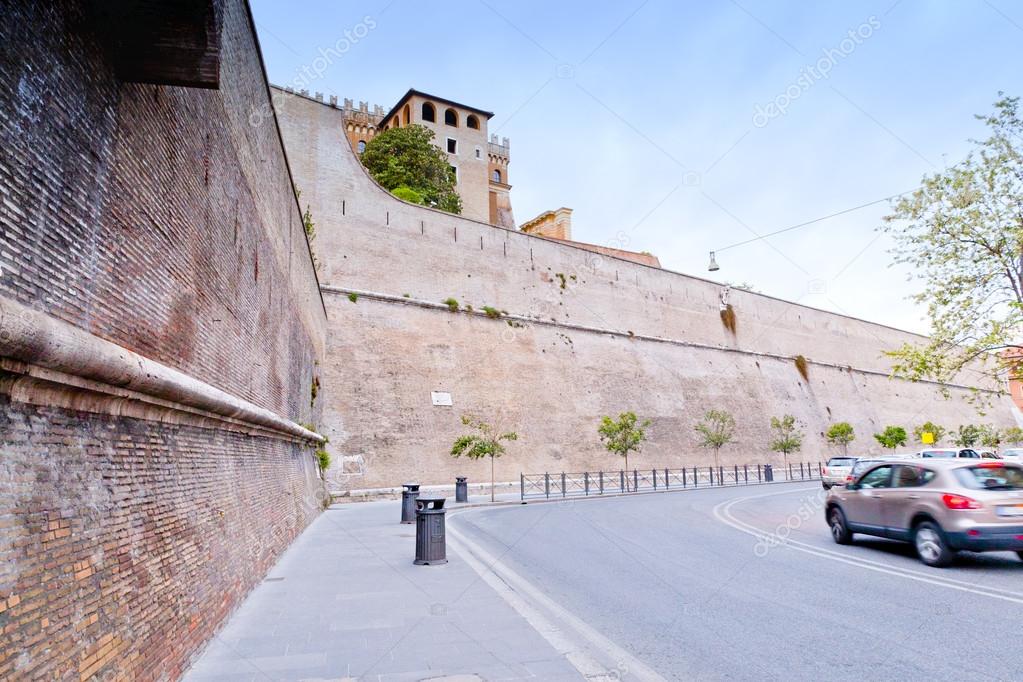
[345, 602]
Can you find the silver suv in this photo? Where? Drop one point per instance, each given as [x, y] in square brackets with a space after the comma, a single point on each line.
[940, 505]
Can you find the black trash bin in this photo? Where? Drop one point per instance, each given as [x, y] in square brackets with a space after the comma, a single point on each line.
[768, 473]
[408, 502]
[461, 489]
[430, 547]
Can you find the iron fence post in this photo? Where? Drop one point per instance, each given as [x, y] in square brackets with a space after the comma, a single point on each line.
[759, 478]
[745, 473]
[790, 471]
[621, 487]
[736, 474]
[667, 478]
[522, 486]
[684, 477]
[562, 483]
[601, 482]
[801, 476]
[696, 477]
[635, 480]
[547, 485]
[655, 479]
[586, 483]
[711, 475]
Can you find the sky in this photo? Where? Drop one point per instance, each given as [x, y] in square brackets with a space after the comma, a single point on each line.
[681, 128]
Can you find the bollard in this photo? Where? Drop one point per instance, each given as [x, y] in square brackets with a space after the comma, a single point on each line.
[408, 502]
[430, 547]
[768, 473]
[461, 489]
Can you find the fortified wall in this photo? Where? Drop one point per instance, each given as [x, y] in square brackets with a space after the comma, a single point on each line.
[577, 335]
[161, 334]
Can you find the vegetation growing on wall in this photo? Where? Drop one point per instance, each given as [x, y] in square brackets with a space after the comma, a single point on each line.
[1012, 435]
[803, 367]
[406, 162]
[966, 436]
[353, 297]
[452, 304]
[938, 432]
[314, 390]
[491, 312]
[728, 318]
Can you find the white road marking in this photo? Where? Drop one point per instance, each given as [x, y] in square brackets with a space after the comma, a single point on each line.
[531, 603]
[722, 512]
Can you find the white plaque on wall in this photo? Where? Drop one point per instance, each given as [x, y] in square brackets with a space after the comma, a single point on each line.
[441, 398]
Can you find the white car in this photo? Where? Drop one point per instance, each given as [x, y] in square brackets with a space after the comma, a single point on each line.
[1013, 454]
[949, 453]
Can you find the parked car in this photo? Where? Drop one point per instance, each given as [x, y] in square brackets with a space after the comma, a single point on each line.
[987, 454]
[1013, 454]
[941, 505]
[837, 471]
[949, 453]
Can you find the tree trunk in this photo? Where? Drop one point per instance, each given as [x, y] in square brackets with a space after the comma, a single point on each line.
[491, 479]
[627, 472]
[717, 458]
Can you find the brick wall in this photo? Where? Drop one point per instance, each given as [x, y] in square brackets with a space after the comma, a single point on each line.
[163, 220]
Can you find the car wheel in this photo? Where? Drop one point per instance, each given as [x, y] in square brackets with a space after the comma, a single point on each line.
[839, 530]
[825, 486]
[1020, 555]
[931, 546]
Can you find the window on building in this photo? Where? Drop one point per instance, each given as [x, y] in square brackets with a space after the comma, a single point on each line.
[362, 146]
[429, 113]
[496, 175]
[454, 172]
[451, 117]
[479, 153]
[452, 146]
[473, 122]
[406, 114]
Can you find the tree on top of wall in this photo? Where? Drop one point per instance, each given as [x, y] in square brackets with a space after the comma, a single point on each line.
[409, 165]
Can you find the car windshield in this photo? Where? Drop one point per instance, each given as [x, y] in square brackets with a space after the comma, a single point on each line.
[938, 454]
[991, 477]
[863, 465]
[841, 461]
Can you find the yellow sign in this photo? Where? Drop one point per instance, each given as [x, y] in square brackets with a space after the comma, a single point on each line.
[927, 437]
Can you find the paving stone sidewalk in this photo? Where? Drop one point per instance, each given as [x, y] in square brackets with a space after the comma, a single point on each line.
[345, 602]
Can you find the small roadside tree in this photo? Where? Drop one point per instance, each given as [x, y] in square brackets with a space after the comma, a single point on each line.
[1012, 435]
[485, 442]
[990, 437]
[716, 430]
[787, 437]
[623, 435]
[841, 433]
[892, 437]
[966, 436]
[929, 427]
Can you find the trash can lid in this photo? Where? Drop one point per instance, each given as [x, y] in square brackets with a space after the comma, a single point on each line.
[430, 502]
[411, 486]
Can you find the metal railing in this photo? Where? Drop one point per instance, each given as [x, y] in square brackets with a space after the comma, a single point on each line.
[587, 483]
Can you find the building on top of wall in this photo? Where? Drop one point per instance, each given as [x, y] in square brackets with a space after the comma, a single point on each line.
[557, 224]
[480, 163]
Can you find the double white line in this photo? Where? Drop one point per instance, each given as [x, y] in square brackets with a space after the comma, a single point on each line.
[723, 513]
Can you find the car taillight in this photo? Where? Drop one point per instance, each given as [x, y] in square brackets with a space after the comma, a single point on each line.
[848, 479]
[990, 465]
[825, 471]
[960, 502]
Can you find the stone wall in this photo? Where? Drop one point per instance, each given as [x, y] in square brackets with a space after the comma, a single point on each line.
[161, 330]
[582, 335]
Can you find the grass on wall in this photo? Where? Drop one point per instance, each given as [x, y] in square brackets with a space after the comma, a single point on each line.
[803, 367]
[728, 318]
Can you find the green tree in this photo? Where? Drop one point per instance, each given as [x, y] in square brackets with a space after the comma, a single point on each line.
[405, 161]
[624, 435]
[961, 233]
[929, 427]
[966, 436]
[716, 430]
[841, 433]
[485, 442]
[990, 437]
[1012, 435]
[787, 436]
[892, 437]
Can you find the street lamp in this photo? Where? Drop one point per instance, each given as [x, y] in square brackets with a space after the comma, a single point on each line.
[713, 267]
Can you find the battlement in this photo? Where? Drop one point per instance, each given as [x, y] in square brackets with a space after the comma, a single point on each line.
[499, 148]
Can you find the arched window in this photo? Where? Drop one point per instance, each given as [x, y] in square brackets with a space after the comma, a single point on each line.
[473, 122]
[429, 113]
[406, 114]
[362, 146]
[451, 117]
[496, 175]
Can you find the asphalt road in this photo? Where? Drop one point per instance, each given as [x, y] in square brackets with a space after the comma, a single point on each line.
[687, 584]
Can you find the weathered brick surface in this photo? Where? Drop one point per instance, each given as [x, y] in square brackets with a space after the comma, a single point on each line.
[159, 219]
